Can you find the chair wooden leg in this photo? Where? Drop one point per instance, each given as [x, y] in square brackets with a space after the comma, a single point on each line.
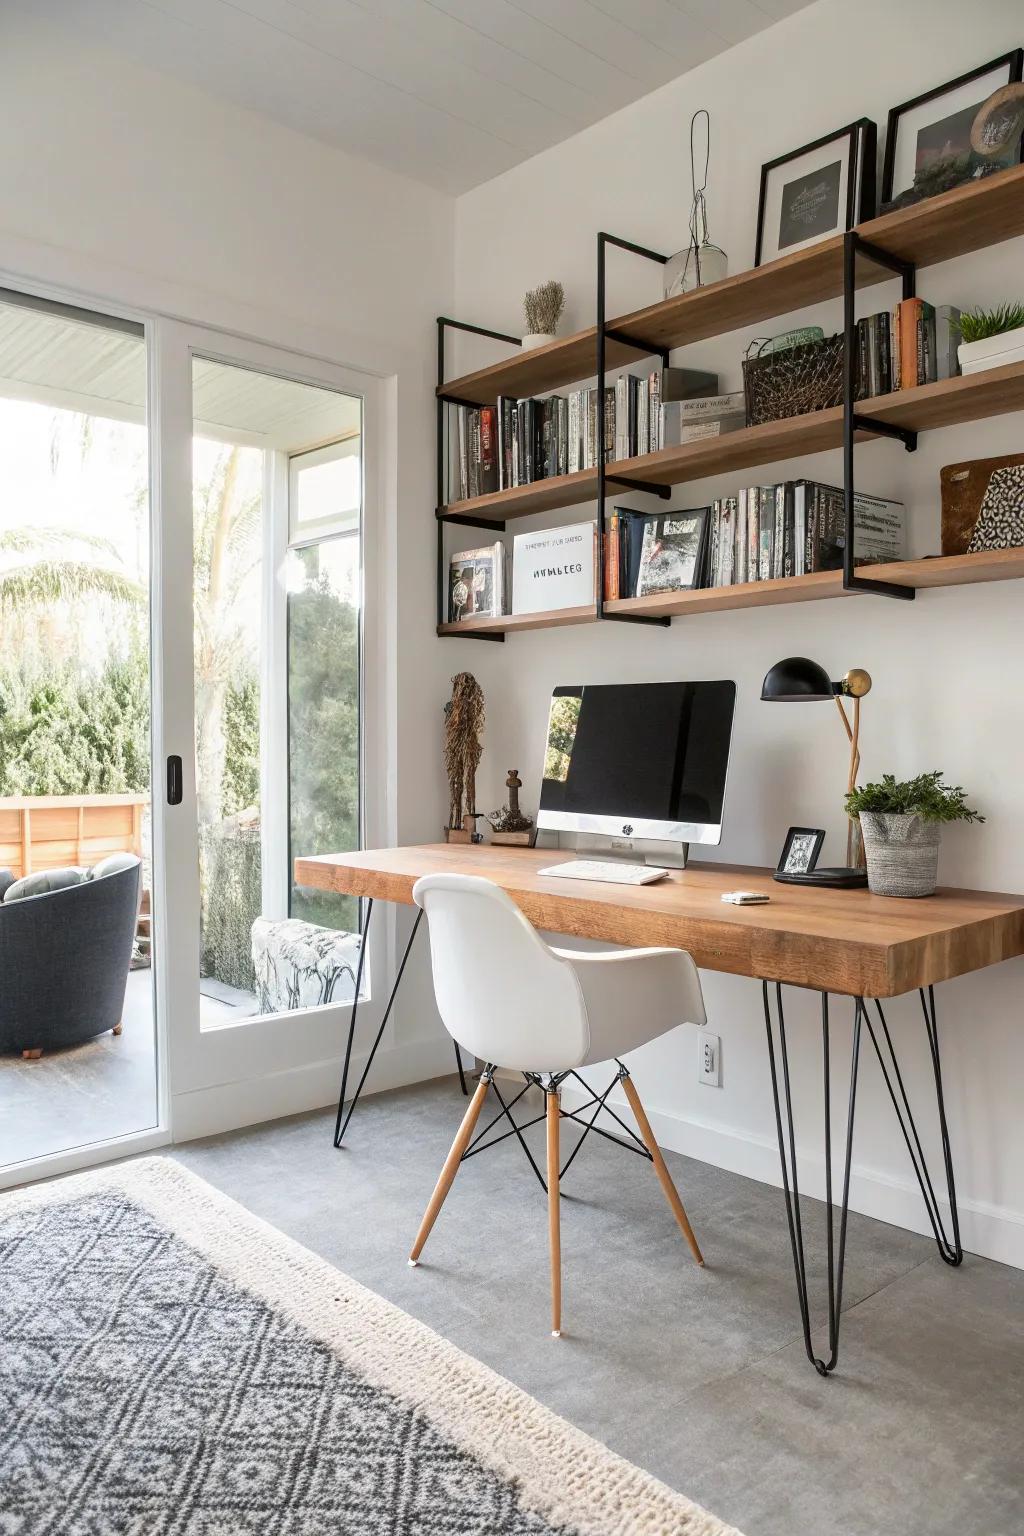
[451, 1167]
[664, 1177]
[554, 1215]
[32, 1055]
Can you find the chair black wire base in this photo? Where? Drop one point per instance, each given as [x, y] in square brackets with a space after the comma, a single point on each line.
[343, 1117]
[597, 1102]
[950, 1250]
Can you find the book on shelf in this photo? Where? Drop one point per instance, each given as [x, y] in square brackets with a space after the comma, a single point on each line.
[554, 568]
[688, 421]
[913, 343]
[476, 583]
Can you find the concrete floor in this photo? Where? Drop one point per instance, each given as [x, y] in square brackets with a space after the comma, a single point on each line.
[698, 1375]
[103, 1088]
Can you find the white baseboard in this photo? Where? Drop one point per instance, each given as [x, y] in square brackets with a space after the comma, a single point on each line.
[229, 1106]
[994, 1232]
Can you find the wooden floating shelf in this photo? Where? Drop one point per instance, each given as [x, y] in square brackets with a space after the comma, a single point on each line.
[511, 623]
[942, 571]
[943, 404]
[966, 219]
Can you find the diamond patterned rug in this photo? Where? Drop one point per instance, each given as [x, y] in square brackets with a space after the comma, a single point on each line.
[172, 1366]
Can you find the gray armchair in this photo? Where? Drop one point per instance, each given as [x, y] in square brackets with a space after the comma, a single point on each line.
[65, 957]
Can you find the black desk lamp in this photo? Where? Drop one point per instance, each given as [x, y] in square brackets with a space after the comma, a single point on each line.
[798, 680]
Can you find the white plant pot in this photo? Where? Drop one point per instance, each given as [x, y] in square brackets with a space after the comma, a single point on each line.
[901, 853]
[992, 351]
[537, 339]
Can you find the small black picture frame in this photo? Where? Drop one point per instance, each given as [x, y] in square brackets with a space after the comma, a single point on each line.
[800, 851]
[674, 557]
[826, 196]
[1009, 68]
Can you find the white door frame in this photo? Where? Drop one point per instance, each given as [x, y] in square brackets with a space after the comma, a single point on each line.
[278, 1064]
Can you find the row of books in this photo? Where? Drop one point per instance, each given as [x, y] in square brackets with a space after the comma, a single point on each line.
[913, 343]
[516, 442]
[551, 568]
[764, 533]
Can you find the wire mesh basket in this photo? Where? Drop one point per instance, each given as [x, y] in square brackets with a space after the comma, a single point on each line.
[793, 381]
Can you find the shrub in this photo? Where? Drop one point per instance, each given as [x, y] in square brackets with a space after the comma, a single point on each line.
[926, 796]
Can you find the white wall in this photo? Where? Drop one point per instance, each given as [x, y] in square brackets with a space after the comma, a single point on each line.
[125, 184]
[945, 666]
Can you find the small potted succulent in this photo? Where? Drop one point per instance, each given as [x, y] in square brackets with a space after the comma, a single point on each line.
[901, 824]
[991, 337]
[543, 309]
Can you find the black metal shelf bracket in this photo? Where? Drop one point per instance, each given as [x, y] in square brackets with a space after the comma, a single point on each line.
[853, 420]
[604, 334]
[445, 323]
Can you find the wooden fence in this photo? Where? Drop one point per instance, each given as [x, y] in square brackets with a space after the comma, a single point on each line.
[51, 831]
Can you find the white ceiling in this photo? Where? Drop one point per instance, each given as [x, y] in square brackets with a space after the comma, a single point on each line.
[77, 366]
[451, 92]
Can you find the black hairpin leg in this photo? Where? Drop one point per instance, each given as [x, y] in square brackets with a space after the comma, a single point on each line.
[951, 1252]
[341, 1125]
[790, 1185]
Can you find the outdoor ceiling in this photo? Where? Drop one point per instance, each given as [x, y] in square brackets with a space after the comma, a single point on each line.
[81, 367]
[451, 92]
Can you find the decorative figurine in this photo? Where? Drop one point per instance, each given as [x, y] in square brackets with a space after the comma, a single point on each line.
[509, 825]
[463, 722]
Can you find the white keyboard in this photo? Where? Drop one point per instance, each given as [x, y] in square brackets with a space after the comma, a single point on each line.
[614, 871]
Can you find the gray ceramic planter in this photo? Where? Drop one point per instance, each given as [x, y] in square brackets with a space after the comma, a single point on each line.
[902, 853]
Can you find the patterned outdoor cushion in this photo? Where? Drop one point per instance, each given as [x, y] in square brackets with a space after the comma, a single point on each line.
[44, 881]
[300, 965]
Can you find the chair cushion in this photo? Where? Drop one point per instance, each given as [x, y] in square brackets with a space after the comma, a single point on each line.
[6, 881]
[44, 881]
[113, 864]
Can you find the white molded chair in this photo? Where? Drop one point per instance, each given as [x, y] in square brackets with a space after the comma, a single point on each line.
[517, 1003]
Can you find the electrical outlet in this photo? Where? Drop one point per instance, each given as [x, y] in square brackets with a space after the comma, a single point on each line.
[709, 1062]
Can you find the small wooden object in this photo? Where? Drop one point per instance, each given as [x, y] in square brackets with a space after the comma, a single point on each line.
[32, 1055]
[520, 828]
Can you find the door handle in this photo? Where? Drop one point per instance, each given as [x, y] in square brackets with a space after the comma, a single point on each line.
[174, 781]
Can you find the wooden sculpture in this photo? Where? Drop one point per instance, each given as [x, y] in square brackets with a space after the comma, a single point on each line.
[463, 723]
[509, 825]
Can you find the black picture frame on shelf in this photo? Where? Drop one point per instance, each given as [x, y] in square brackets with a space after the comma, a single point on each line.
[822, 189]
[674, 553]
[943, 116]
[800, 851]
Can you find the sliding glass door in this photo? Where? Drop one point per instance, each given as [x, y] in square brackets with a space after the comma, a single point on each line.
[266, 709]
[78, 1046]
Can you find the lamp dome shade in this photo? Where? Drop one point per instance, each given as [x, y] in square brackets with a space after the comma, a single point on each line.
[796, 680]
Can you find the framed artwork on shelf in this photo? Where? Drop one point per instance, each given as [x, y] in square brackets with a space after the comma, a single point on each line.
[476, 583]
[962, 131]
[674, 552]
[820, 190]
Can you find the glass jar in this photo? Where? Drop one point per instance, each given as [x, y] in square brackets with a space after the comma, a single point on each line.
[695, 267]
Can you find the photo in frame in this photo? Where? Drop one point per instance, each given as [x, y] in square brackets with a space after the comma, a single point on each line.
[959, 132]
[820, 190]
[674, 553]
[800, 850]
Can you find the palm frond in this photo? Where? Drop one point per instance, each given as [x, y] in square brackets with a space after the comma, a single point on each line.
[22, 541]
[55, 581]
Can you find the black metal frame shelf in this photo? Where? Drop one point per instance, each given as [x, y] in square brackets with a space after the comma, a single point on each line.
[948, 225]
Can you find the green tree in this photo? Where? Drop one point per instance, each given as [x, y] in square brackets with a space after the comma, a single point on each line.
[241, 785]
[323, 724]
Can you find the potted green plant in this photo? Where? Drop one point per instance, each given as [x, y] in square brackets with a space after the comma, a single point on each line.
[901, 823]
[991, 337]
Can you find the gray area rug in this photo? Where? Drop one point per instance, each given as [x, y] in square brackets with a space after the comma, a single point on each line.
[172, 1366]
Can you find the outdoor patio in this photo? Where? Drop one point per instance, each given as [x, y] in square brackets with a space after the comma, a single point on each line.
[106, 1087]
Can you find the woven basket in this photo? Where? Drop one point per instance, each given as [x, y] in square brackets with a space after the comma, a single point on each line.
[902, 853]
[794, 381]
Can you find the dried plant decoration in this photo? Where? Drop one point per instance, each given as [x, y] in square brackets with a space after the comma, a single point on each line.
[463, 723]
[543, 309]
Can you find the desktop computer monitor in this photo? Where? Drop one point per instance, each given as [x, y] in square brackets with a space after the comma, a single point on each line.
[637, 769]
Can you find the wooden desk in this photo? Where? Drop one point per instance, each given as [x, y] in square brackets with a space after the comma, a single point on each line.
[834, 941]
[849, 942]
